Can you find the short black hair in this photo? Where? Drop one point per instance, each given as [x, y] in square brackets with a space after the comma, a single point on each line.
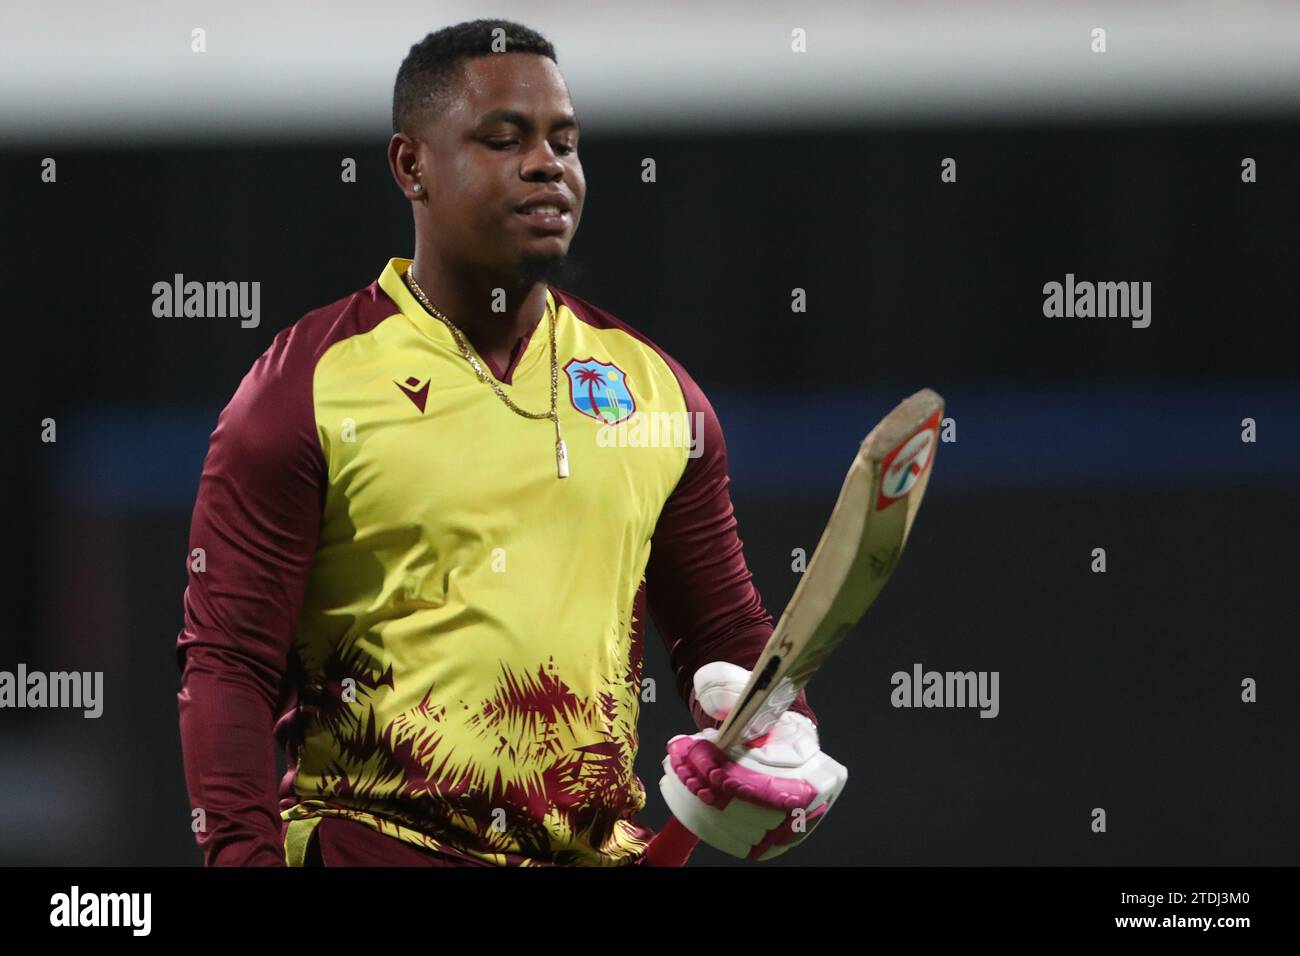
[425, 77]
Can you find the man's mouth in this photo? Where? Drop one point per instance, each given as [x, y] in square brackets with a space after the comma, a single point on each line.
[546, 217]
[547, 210]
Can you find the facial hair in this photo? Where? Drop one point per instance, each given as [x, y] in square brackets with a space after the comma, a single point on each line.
[561, 270]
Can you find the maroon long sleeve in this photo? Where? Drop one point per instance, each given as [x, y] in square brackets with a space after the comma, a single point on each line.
[256, 520]
[698, 586]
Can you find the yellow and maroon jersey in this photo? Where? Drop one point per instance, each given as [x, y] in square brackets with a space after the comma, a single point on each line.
[446, 636]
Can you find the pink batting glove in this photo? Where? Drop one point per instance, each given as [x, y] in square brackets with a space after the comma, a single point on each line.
[759, 799]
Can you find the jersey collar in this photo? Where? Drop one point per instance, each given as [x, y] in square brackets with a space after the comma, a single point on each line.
[391, 281]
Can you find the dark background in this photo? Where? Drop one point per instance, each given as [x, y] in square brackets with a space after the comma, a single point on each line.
[1118, 690]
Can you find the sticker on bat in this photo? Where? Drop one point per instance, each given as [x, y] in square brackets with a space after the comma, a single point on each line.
[782, 696]
[904, 466]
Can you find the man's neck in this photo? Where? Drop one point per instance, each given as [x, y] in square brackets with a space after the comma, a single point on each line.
[467, 301]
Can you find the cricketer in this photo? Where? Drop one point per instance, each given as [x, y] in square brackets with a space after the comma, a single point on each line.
[425, 570]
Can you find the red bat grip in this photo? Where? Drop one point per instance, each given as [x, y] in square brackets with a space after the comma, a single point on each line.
[671, 846]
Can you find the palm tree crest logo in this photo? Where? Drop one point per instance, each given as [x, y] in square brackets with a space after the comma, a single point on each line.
[602, 388]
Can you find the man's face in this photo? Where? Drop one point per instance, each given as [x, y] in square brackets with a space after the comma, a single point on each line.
[508, 137]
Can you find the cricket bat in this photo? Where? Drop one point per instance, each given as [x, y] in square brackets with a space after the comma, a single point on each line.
[854, 559]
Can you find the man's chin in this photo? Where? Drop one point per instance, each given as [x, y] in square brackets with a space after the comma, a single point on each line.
[553, 269]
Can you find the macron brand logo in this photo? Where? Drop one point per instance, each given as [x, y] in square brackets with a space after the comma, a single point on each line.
[102, 909]
[416, 392]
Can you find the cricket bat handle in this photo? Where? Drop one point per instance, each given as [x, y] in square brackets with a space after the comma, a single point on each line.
[671, 846]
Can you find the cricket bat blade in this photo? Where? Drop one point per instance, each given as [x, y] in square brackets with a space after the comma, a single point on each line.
[853, 561]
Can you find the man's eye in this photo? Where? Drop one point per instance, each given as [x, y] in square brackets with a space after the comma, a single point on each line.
[501, 143]
[564, 149]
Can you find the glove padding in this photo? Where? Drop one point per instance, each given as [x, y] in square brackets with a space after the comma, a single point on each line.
[759, 799]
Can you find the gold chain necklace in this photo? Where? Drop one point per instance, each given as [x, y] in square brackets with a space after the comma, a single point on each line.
[561, 451]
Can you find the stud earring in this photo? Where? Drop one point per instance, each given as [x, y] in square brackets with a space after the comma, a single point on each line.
[418, 187]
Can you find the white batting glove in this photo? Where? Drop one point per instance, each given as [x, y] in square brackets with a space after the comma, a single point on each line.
[759, 799]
